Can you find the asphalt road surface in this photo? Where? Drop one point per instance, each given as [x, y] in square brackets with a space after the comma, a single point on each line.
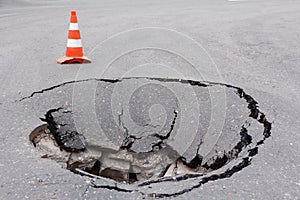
[250, 44]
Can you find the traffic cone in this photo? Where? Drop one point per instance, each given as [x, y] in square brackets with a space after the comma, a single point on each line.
[74, 52]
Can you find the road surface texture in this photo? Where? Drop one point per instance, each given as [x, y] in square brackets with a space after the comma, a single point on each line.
[252, 45]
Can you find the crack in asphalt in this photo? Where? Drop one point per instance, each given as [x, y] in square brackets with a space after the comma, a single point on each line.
[246, 161]
[162, 137]
[191, 82]
[66, 83]
[110, 187]
[86, 190]
[130, 139]
[218, 162]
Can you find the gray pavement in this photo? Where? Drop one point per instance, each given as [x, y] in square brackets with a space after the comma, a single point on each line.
[250, 44]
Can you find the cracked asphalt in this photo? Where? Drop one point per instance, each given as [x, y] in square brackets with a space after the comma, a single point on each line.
[253, 44]
[237, 145]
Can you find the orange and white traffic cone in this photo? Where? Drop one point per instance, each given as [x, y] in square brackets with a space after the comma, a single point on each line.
[74, 52]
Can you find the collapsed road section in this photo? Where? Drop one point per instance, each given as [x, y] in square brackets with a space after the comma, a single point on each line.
[141, 134]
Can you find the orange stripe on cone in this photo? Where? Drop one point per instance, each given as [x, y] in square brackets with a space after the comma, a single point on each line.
[74, 50]
[73, 17]
[74, 34]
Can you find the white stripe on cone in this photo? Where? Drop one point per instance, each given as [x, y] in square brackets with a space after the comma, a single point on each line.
[73, 26]
[74, 43]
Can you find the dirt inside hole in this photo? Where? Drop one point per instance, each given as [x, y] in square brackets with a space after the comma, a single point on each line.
[122, 166]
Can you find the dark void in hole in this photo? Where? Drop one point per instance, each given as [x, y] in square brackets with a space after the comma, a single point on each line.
[133, 145]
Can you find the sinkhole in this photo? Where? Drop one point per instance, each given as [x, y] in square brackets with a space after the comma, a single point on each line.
[141, 134]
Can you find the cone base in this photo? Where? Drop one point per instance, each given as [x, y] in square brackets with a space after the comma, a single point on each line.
[73, 60]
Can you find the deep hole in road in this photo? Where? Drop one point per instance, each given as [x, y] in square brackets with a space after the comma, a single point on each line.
[141, 154]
